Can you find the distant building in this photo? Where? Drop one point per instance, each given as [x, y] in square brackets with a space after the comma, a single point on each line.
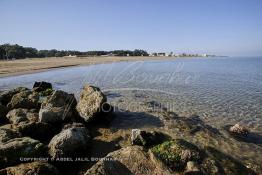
[161, 54]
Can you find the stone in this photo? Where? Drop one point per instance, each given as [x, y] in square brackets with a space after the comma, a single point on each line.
[25, 99]
[69, 142]
[37, 130]
[210, 166]
[58, 107]
[7, 134]
[34, 168]
[239, 130]
[192, 168]
[129, 160]
[144, 138]
[3, 112]
[12, 150]
[16, 116]
[6, 96]
[187, 155]
[42, 86]
[92, 103]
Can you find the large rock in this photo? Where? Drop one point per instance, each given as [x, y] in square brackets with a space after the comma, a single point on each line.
[144, 138]
[7, 134]
[92, 103]
[6, 96]
[42, 86]
[58, 107]
[16, 116]
[3, 112]
[13, 149]
[25, 99]
[70, 142]
[129, 160]
[34, 168]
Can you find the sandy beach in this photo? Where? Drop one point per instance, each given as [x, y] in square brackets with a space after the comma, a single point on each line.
[33, 65]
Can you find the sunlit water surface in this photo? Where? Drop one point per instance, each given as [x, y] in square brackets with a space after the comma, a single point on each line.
[220, 90]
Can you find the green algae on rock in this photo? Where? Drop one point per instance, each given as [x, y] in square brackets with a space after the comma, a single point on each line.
[176, 153]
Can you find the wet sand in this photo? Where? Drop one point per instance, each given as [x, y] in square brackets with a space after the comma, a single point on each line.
[33, 65]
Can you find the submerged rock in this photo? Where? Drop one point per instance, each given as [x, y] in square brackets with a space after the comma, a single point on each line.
[13, 149]
[25, 99]
[6, 96]
[58, 107]
[211, 166]
[42, 86]
[92, 103]
[228, 164]
[144, 138]
[239, 130]
[129, 160]
[70, 142]
[34, 168]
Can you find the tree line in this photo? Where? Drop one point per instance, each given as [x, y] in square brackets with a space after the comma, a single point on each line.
[8, 51]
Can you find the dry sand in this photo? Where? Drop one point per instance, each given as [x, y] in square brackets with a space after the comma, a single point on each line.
[32, 65]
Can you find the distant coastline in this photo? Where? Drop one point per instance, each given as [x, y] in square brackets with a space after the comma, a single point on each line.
[34, 65]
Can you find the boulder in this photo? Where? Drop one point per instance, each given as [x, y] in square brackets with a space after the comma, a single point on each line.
[7, 134]
[176, 153]
[3, 112]
[25, 99]
[70, 142]
[129, 160]
[34, 168]
[57, 108]
[6, 96]
[42, 86]
[16, 116]
[144, 138]
[12, 150]
[239, 130]
[92, 103]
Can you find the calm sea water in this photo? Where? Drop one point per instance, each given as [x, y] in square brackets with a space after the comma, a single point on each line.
[220, 90]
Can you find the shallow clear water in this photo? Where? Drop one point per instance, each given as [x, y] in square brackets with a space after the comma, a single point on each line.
[220, 90]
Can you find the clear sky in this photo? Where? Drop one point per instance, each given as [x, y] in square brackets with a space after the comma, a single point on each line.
[223, 27]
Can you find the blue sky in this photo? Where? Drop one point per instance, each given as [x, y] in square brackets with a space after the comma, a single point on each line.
[223, 27]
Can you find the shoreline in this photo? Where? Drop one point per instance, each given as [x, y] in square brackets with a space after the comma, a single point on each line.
[36, 65]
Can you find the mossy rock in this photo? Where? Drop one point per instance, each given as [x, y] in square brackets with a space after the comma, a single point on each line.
[175, 153]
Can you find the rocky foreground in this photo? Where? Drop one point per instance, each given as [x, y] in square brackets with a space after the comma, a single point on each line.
[45, 131]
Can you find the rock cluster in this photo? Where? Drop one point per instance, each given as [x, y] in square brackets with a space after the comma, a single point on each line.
[40, 122]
